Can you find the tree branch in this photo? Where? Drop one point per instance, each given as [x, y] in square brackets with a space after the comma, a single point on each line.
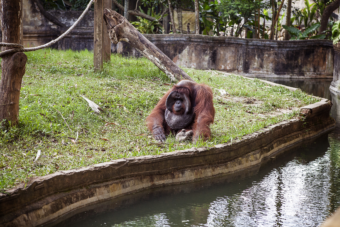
[47, 15]
[118, 5]
[326, 14]
[140, 14]
[278, 12]
[134, 12]
[162, 15]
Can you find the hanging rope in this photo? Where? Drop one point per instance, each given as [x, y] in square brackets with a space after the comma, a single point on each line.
[20, 48]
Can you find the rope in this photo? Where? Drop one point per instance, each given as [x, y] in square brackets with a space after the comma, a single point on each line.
[20, 48]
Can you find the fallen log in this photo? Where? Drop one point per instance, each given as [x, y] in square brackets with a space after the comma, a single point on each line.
[121, 30]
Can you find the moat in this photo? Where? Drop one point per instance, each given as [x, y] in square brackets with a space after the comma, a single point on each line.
[298, 188]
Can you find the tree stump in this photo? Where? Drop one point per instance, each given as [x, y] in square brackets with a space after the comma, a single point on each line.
[121, 30]
[13, 65]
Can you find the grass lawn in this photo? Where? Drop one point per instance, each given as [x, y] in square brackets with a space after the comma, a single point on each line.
[56, 120]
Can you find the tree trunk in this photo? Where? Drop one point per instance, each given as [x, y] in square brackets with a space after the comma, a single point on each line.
[172, 18]
[326, 14]
[277, 29]
[255, 25]
[106, 38]
[126, 9]
[289, 12]
[13, 65]
[272, 29]
[258, 23]
[98, 53]
[121, 30]
[179, 19]
[197, 17]
[264, 28]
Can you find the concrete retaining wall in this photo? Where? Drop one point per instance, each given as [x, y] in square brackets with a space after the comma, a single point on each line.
[335, 85]
[47, 199]
[250, 57]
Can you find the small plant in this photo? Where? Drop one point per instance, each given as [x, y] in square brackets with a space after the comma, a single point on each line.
[336, 32]
[307, 34]
[146, 26]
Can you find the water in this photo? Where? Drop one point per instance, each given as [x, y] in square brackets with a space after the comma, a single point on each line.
[299, 188]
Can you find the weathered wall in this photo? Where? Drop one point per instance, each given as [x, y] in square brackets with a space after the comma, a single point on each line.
[251, 57]
[38, 30]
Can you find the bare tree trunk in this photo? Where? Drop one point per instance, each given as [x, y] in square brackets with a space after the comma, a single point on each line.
[126, 9]
[289, 12]
[98, 53]
[13, 65]
[272, 29]
[121, 30]
[264, 28]
[278, 12]
[197, 16]
[179, 19]
[277, 27]
[106, 38]
[172, 18]
[259, 23]
[326, 14]
[255, 32]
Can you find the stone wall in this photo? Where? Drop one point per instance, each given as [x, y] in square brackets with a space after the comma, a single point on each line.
[250, 57]
[336, 70]
[38, 30]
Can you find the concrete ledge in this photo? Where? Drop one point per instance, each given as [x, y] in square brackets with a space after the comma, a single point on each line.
[51, 197]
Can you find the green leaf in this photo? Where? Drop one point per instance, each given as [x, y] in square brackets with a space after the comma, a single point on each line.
[311, 29]
[321, 36]
[336, 32]
[294, 38]
[292, 30]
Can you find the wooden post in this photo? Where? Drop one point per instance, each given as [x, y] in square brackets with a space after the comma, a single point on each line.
[21, 23]
[106, 42]
[13, 65]
[98, 35]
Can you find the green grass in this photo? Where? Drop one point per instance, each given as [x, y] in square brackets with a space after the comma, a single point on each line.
[127, 89]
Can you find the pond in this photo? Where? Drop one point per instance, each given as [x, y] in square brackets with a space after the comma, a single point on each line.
[299, 188]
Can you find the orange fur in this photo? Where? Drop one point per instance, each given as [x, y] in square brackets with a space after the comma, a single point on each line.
[201, 98]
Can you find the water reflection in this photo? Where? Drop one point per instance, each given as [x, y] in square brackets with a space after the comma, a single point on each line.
[299, 188]
[317, 87]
